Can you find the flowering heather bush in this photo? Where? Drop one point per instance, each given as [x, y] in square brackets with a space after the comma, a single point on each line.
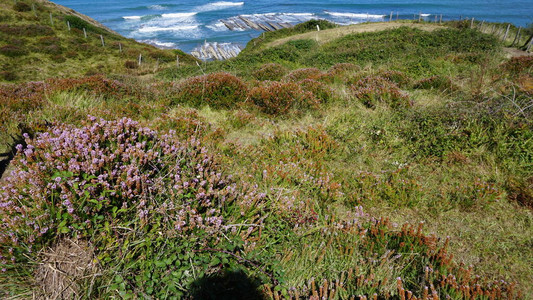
[400, 78]
[278, 98]
[438, 82]
[12, 51]
[22, 97]
[93, 181]
[97, 85]
[371, 90]
[219, 90]
[321, 91]
[301, 74]
[270, 71]
[26, 30]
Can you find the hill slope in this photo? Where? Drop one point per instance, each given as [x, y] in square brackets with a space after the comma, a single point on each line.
[36, 43]
[385, 164]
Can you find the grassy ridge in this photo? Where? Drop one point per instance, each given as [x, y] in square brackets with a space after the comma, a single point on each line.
[35, 44]
[331, 148]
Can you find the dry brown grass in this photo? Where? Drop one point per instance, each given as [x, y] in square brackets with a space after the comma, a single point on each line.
[64, 269]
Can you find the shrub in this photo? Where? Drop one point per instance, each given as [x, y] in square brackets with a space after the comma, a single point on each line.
[97, 85]
[8, 75]
[23, 97]
[399, 78]
[270, 71]
[301, 74]
[130, 64]
[220, 90]
[97, 181]
[52, 49]
[26, 30]
[76, 22]
[12, 51]
[21, 7]
[371, 90]
[438, 82]
[48, 41]
[321, 91]
[518, 65]
[58, 58]
[278, 98]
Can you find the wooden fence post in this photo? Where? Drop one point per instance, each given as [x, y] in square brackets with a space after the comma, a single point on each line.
[390, 18]
[140, 59]
[51, 20]
[517, 36]
[481, 26]
[472, 23]
[120, 47]
[420, 17]
[84, 32]
[68, 25]
[177, 61]
[530, 43]
[440, 22]
[506, 32]
[34, 10]
[397, 15]
[317, 27]
[102, 39]
[436, 18]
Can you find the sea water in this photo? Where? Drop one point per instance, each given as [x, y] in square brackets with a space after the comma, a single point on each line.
[187, 24]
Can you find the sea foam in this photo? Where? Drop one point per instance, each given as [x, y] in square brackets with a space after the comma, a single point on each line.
[151, 29]
[179, 15]
[354, 15]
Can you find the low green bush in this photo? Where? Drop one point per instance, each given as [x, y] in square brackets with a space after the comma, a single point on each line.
[219, 90]
[279, 98]
[12, 51]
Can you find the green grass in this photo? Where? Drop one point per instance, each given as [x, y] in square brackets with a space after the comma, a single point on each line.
[32, 48]
[337, 179]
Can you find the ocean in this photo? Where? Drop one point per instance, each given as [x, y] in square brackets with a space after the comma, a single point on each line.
[186, 25]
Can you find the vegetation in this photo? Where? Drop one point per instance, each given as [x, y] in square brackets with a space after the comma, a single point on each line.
[36, 43]
[387, 165]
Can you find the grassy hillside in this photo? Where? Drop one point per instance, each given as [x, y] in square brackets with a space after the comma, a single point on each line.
[36, 43]
[388, 165]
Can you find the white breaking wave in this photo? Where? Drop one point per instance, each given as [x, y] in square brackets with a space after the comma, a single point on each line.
[159, 44]
[425, 15]
[225, 3]
[150, 29]
[354, 15]
[218, 6]
[179, 15]
[218, 26]
[132, 17]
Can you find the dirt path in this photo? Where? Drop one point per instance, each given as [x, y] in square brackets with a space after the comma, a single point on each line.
[513, 52]
[328, 35]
